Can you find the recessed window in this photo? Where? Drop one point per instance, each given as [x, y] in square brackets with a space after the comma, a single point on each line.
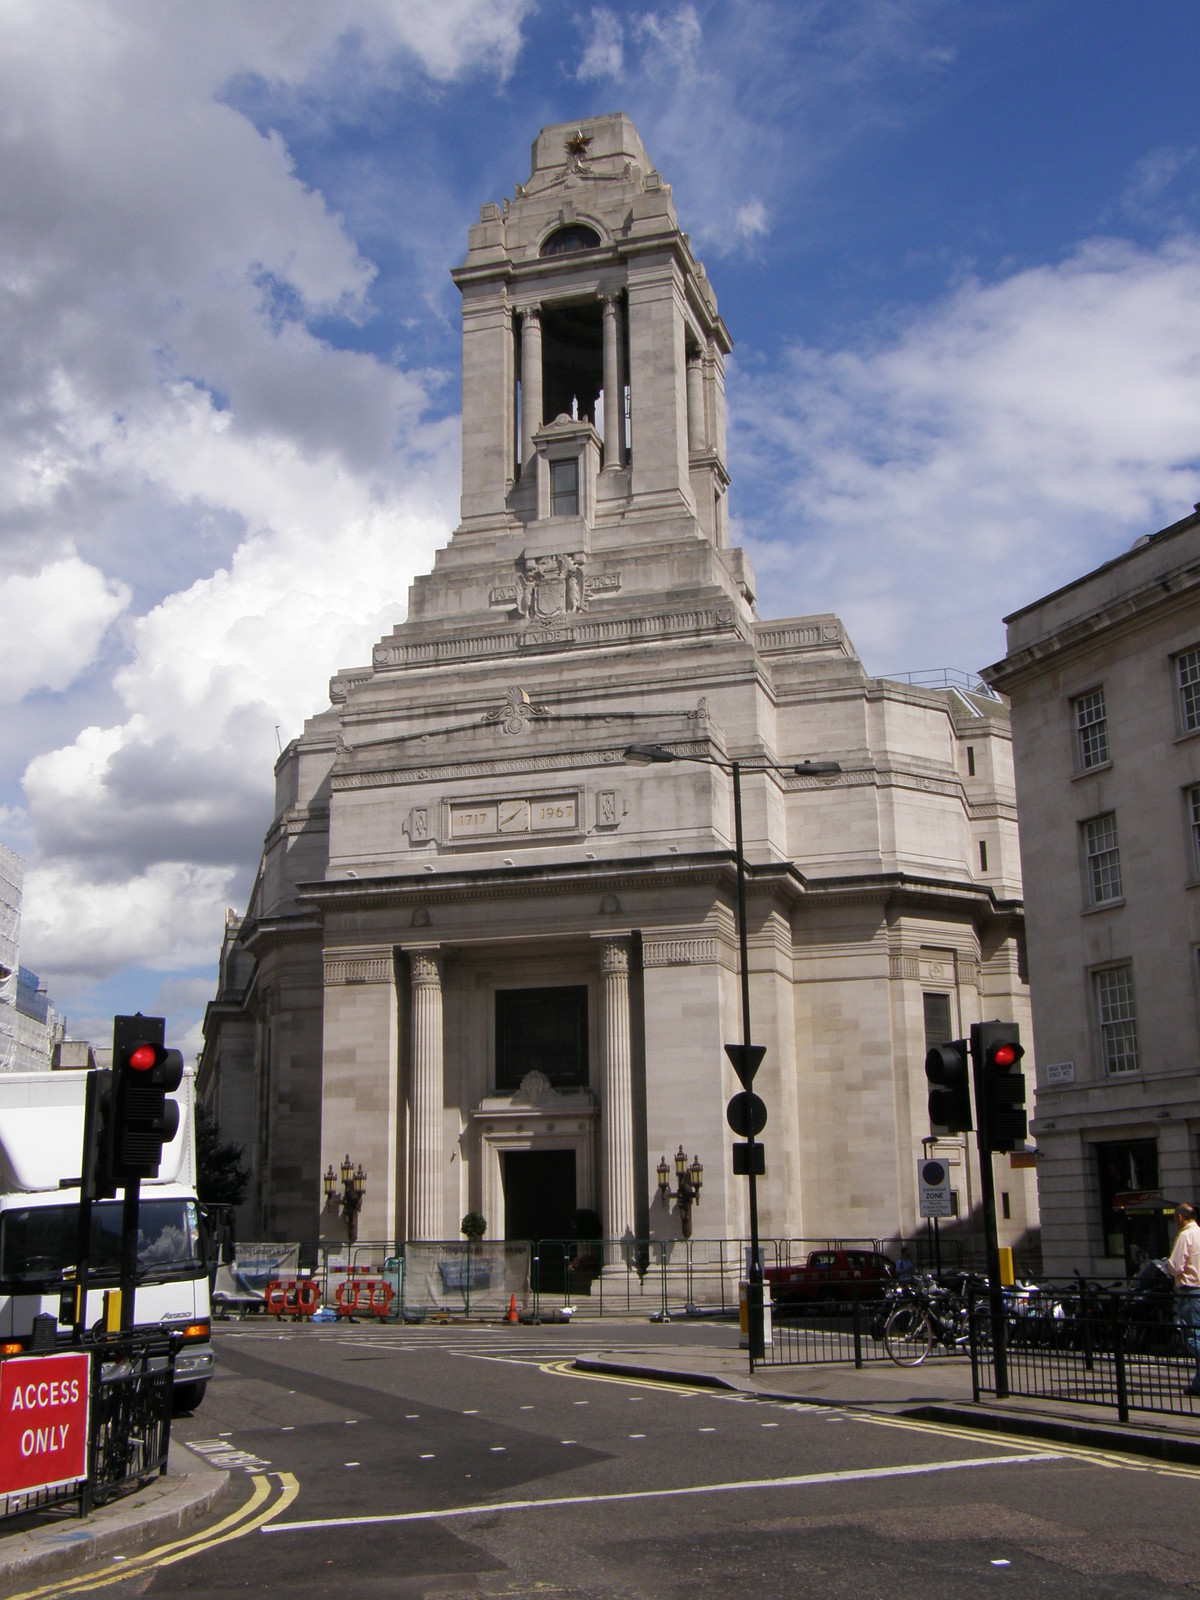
[566, 241]
[970, 761]
[1103, 859]
[983, 855]
[1091, 730]
[937, 1019]
[542, 1030]
[1191, 799]
[1187, 668]
[1116, 1019]
[1005, 1205]
[564, 488]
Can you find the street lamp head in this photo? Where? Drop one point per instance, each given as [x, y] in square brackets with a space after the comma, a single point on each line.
[696, 1174]
[359, 1181]
[816, 769]
[330, 1181]
[680, 1162]
[645, 755]
[347, 1171]
[664, 1178]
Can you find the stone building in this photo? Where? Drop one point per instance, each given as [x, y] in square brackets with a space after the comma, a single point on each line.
[1104, 678]
[495, 961]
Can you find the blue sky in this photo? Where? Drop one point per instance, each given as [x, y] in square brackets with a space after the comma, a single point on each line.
[957, 247]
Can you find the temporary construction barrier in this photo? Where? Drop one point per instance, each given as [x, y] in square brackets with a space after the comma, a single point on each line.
[364, 1297]
[297, 1298]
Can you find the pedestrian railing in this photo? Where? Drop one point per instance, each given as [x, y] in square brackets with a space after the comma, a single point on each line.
[827, 1331]
[1089, 1344]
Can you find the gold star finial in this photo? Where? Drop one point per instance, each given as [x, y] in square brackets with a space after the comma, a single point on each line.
[578, 142]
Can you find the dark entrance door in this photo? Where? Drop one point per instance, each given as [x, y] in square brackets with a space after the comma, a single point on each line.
[539, 1203]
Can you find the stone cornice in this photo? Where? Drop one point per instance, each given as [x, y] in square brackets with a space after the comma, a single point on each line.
[1127, 611]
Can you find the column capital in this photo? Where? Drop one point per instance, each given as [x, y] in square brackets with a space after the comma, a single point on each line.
[426, 964]
[614, 954]
[531, 315]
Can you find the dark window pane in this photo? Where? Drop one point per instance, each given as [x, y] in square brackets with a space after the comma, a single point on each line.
[937, 1020]
[542, 1030]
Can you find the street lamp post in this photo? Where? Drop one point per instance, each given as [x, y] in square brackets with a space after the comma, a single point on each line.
[650, 754]
[687, 1186]
[349, 1202]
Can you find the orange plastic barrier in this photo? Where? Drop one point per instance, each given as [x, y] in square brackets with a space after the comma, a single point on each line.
[292, 1297]
[364, 1297]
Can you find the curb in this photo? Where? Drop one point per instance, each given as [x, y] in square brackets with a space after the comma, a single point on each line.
[1060, 1430]
[128, 1526]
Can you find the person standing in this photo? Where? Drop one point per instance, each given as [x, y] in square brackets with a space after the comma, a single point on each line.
[904, 1266]
[1184, 1266]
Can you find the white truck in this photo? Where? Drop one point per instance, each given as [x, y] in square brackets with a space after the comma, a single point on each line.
[41, 1146]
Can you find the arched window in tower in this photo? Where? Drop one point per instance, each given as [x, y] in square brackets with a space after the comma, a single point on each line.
[565, 241]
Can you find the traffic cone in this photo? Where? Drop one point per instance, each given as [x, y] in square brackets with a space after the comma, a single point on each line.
[512, 1308]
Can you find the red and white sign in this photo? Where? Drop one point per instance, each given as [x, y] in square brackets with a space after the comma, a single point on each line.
[43, 1421]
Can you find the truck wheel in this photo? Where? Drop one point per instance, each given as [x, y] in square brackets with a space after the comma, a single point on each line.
[187, 1396]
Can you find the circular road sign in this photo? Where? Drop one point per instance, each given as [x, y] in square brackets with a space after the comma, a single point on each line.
[746, 1114]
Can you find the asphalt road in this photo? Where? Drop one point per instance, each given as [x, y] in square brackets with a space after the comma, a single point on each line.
[469, 1462]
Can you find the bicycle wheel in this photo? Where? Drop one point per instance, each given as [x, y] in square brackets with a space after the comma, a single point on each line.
[908, 1337]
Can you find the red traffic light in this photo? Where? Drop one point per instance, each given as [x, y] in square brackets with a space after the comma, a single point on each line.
[143, 1058]
[1003, 1055]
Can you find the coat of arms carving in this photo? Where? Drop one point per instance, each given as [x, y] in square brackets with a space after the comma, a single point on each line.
[548, 588]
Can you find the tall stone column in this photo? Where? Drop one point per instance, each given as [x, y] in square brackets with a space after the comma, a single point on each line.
[697, 432]
[616, 1093]
[531, 383]
[614, 420]
[425, 1208]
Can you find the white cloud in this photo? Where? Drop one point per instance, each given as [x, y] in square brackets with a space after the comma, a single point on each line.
[54, 620]
[181, 440]
[999, 444]
[604, 53]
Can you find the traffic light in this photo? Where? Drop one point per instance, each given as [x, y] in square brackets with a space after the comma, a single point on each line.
[1000, 1085]
[143, 1118]
[949, 1088]
[97, 1182]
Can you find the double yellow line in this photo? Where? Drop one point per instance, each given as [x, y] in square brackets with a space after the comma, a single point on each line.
[263, 1505]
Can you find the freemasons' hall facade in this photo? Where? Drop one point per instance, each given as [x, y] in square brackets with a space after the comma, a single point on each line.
[495, 960]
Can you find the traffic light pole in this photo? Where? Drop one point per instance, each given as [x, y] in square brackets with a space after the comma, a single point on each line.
[129, 1244]
[754, 1278]
[987, 1180]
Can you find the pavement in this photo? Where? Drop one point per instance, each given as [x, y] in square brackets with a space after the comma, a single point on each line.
[37, 1546]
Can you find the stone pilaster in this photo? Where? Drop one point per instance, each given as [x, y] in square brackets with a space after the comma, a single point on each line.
[531, 383]
[614, 421]
[616, 1093]
[425, 1208]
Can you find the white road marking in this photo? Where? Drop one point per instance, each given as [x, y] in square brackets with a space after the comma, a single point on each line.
[803, 1481]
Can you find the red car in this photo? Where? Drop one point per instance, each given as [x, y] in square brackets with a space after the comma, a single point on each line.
[832, 1275]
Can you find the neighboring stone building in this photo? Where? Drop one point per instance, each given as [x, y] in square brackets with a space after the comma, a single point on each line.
[1104, 678]
[494, 961]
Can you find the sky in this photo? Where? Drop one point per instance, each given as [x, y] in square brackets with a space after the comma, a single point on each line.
[957, 247]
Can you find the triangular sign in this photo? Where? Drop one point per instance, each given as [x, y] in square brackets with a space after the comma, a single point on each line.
[746, 1059]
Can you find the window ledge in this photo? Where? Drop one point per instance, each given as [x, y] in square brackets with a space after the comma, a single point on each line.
[1104, 905]
[1090, 772]
[1187, 737]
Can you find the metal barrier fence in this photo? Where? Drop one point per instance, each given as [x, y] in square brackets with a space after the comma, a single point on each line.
[584, 1278]
[1089, 1345]
[827, 1331]
[132, 1380]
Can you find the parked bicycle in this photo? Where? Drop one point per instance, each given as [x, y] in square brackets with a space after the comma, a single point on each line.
[929, 1313]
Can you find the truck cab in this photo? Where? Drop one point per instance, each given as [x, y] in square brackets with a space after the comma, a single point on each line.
[41, 1143]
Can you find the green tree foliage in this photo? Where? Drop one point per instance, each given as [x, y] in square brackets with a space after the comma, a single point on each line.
[221, 1179]
[474, 1225]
